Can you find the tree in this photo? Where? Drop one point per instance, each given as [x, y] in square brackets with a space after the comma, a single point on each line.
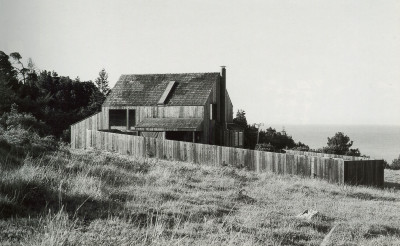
[57, 101]
[8, 82]
[301, 147]
[340, 144]
[279, 140]
[250, 132]
[6, 68]
[240, 119]
[31, 65]
[21, 69]
[395, 164]
[102, 82]
[7, 95]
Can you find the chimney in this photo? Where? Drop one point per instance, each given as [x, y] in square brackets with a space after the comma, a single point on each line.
[222, 96]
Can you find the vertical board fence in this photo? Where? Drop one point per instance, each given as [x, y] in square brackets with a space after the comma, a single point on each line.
[78, 130]
[334, 170]
[344, 157]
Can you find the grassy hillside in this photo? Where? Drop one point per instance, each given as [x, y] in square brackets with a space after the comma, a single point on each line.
[94, 198]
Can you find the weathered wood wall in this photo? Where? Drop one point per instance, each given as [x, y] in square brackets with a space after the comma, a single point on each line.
[335, 170]
[344, 157]
[160, 112]
[78, 130]
[364, 172]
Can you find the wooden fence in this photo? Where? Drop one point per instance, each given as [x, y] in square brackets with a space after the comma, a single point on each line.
[344, 157]
[335, 170]
[78, 130]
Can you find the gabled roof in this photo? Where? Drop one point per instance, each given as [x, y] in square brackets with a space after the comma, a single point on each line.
[191, 89]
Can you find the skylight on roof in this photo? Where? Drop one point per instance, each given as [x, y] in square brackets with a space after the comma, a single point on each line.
[166, 93]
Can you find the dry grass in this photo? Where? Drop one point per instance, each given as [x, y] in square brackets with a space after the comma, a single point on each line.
[94, 198]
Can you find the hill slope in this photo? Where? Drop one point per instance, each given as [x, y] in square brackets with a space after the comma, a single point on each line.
[94, 198]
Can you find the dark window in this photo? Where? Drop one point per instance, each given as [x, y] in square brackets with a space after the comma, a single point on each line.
[117, 118]
[132, 118]
[182, 136]
[213, 111]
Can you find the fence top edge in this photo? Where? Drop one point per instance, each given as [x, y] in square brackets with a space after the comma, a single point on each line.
[85, 119]
[254, 151]
[344, 157]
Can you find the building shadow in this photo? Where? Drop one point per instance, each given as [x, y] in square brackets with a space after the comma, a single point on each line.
[392, 185]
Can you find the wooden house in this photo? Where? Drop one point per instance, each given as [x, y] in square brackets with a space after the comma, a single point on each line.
[191, 107]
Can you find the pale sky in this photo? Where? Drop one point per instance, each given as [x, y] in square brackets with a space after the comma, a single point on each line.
[288, 62]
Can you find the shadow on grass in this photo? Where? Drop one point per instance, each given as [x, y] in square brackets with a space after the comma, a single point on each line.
[382, 230]
[10, 159]
[30, 198]
[321, 223]
[292, 238]
[153, 216]
[363, 196]
[369, 197]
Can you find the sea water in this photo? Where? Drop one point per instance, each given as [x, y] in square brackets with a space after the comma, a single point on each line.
[376, 141]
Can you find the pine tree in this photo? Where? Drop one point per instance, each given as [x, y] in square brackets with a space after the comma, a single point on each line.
[102, 82]
[241, 119]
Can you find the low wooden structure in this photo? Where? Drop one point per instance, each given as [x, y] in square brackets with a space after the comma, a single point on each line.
[335, 170]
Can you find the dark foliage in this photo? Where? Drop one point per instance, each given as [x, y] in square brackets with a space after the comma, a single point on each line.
[395, 164]
[265, 147]
[58, 101]
[268, 140]
[280, 140]
[340, 145]
[301, 147]
[240, 118]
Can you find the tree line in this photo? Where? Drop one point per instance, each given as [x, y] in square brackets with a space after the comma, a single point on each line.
[57, 101]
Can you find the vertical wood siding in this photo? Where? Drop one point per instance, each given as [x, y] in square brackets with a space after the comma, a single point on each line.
[334, 170]
[161, 111]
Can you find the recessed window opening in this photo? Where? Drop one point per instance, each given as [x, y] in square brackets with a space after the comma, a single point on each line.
[117, 118]
[132, 118]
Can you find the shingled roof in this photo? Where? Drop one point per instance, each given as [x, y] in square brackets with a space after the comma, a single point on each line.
[147, 89]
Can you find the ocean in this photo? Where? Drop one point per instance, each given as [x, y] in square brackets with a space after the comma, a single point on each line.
[380, 142]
